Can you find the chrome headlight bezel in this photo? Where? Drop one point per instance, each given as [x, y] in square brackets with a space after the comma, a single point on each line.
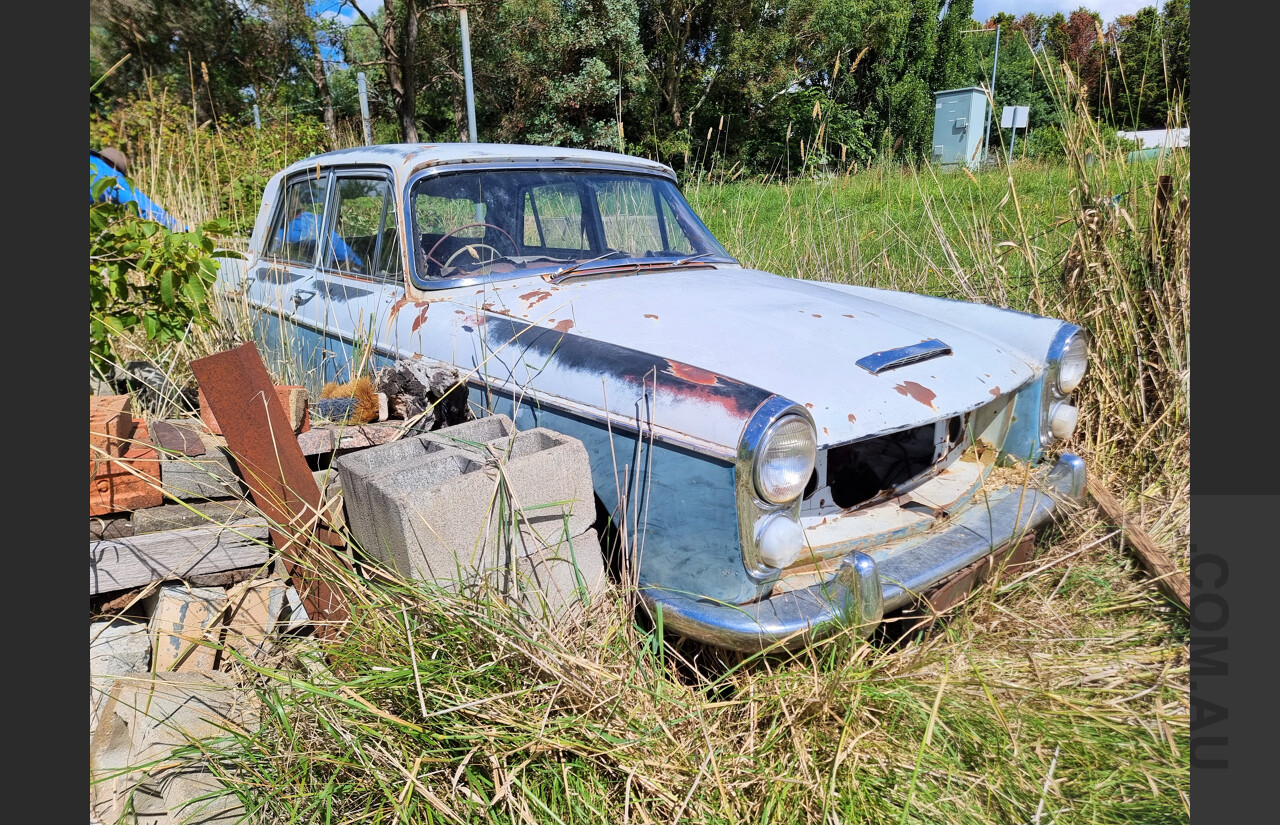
[1071, 342]
[753, 508]
[792, 424]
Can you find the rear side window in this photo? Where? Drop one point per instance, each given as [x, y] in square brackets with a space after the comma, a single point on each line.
[295, 233]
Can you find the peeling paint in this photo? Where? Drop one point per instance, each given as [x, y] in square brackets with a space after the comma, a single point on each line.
[917, 392]
[536, 296]
[563, 326]
[692, 374]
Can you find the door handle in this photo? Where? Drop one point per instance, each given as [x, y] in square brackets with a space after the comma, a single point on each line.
[302, 296]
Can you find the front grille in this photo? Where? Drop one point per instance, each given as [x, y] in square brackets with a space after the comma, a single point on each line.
[877, 468]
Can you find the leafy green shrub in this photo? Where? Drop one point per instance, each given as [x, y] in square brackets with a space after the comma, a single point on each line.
[141, 275]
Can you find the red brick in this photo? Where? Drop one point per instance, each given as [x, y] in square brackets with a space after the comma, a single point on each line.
[114, 489]
[110, 425]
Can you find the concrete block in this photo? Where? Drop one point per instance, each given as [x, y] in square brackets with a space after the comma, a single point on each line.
[360, 469]
[207, 476]
[118, 648]
[192, 514]
[555, 580]
[144, 719]
[456, 514]
[130, 482]
[254, 611]
[110, 425]
[181, 619]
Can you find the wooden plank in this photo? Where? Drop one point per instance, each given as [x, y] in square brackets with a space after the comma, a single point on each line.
[120, 564]
[1175, 583]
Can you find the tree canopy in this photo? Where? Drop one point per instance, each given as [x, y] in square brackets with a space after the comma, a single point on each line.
[771, 85]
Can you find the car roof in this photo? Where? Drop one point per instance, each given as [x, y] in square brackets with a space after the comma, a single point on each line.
[406, 158]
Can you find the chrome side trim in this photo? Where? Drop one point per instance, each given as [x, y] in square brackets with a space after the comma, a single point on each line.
[869, 585]
[885, 360]
[750, 506]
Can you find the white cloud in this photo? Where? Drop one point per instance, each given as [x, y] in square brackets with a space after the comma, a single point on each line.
[1109, 10]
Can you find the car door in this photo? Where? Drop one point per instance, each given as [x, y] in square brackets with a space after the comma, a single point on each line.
[360, 274]
[281, 281]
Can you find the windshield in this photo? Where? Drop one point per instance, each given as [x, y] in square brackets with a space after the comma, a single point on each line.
[503, 222]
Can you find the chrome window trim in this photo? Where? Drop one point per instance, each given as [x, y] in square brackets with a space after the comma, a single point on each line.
[751, 506]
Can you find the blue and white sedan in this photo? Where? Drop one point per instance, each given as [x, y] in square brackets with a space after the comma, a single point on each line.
[789, 456]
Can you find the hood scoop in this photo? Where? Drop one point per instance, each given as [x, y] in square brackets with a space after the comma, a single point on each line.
[891, 359]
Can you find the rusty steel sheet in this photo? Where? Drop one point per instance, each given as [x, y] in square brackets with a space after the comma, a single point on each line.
[253, 421]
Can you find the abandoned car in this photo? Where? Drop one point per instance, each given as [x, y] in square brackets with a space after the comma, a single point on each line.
[789, 456]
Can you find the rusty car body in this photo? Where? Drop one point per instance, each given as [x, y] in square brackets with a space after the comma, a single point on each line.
[769, 495]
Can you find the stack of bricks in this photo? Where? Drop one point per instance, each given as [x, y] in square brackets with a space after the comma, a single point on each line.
[478, 506]
[124, 470]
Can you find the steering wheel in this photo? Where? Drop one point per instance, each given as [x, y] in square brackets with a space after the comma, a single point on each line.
[472, 248]
[445, 265]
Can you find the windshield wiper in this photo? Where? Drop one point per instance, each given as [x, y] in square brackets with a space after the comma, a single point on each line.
[560, 273]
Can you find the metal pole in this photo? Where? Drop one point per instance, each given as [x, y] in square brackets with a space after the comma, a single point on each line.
[466, 71]
[986, 144]
[257, 119]
[364, 108]
[1013, 135]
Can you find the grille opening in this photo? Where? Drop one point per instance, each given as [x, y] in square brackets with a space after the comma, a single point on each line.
[860, 471]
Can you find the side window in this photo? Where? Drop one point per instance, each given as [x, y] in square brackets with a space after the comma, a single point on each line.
[637, 220]
[553, 218]
[296, 231]
[365, 240]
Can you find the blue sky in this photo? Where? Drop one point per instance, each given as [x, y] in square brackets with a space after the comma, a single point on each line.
[1108, 9]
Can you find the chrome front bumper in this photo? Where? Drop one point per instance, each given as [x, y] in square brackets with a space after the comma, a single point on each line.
[869, 585]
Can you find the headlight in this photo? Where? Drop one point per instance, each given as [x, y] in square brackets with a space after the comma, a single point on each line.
[1075, 356]
[784, 460]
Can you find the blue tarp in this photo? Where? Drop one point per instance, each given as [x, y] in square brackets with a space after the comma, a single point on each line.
[124, 191]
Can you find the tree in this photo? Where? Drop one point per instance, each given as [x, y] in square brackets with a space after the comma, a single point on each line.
[396, 31]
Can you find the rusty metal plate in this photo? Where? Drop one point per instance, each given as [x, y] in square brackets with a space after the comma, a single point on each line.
[253, 421]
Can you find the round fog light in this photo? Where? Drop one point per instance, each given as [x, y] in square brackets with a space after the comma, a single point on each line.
[1062, 420]
[779, 540]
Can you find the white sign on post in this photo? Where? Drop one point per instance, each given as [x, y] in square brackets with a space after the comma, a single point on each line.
[1015, 117]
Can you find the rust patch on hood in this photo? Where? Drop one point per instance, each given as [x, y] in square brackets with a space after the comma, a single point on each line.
[852, 418]
[995, 392]
[692, 374]
[650, 315]
[848, 316]
[917, 392]
[563, 326]
[536, 296]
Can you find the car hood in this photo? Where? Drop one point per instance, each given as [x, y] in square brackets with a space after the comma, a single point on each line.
[797, 339]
